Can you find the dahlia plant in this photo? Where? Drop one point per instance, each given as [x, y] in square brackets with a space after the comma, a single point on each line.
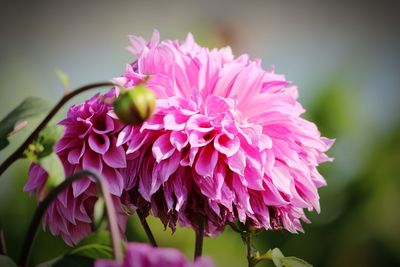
[195, 137]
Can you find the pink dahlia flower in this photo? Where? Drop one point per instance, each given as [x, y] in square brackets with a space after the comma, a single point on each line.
[89, 142]
[226, 142]
[144, 255]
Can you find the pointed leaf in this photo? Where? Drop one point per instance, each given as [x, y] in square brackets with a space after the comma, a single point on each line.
[64, 78]
[67, 261]
[277, 255]
[95, 246]
[48, 137]
[99, 211]
[281, 261]
[54, 168]
[30, 107]
[6, 261]
[294, 262]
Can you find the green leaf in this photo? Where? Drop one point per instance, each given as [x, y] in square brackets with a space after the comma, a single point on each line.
[280, 260]
[95, 246]
[47, 138]
[294, 262]
[30, 107]
[99, 211]
[67, 261]
[64, 78]
[277, 255]
[7, 261]
[54, 168]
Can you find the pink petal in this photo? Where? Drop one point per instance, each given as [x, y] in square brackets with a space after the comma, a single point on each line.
[206, 161]
[162, 148]
[99, 143]
[226, 145]
[115, 157]
[91, 160]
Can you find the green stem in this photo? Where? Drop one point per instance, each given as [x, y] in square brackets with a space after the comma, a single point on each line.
[20, 151]
[247, 240]
[198, 249]
[3, 248]
[40, 211]
[147, 229]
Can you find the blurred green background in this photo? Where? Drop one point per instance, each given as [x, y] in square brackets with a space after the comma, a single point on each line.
[343, 55]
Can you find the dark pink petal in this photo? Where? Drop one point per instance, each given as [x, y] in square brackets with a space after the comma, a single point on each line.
[115, 156]
[103, 125]
[92, 160]
[75, 155]
[80, 186]
[115, 181]
[99, 143]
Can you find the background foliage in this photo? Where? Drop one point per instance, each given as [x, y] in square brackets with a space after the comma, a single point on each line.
[343, 56]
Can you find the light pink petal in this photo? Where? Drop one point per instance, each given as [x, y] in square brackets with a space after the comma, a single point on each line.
[179, 139]
[237, 162]
[162, 148]
[226, 145]
[206, 161]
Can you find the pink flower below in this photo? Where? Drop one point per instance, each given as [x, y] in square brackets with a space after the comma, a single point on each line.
[89, 142]
[144, 255]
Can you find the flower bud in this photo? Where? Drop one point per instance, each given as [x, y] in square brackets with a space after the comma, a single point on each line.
[135, 106]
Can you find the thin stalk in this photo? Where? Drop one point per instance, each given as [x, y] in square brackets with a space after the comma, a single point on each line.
[147, 229]
[198, 248]
[247, 240]
[20, 151]
[40, 211]
[3, 248]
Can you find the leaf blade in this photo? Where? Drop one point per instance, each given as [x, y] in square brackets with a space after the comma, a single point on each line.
[96, 245]
[7, 261]
[28, 108]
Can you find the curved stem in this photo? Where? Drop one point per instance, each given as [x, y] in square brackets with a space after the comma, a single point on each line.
[40, 211]
[198, 249]
[147, 229]
[20, 151]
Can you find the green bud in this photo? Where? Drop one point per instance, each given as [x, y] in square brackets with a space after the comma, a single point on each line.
[135, 106]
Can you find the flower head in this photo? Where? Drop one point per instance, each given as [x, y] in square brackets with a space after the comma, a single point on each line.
[226, 141]
[89, 142]
[67, 216]
[144, 255]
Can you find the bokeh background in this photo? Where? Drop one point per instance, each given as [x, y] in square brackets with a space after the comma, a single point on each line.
[343, 55]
